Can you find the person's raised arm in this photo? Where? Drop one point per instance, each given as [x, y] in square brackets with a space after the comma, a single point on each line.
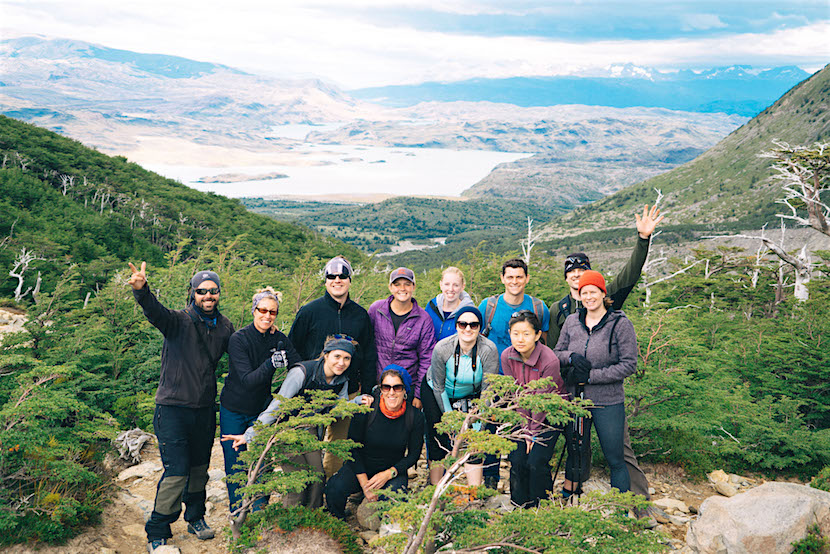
[623, 284]
[158, 315]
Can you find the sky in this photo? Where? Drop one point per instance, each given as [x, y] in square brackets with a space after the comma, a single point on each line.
[363, 43]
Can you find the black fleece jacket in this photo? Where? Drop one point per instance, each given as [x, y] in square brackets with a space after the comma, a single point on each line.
[190, 352]
[325, 316]
[247, 387]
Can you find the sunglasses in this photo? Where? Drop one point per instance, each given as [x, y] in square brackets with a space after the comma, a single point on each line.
[333, 276]
[471, 324]
[264, 311]
[523, 313]
[387, 388]
[338, 336]
[214, 290]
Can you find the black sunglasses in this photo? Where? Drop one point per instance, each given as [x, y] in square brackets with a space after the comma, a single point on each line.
[214, 290]
[523, 313]
[338, 336]
[266, 311]
[333, 276]
[386, 388]
[470, 324]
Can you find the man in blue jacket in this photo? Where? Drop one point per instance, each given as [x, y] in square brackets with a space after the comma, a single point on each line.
[185, 416]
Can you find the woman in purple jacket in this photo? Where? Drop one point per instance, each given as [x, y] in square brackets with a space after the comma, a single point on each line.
[527, 360]
[404, 333]
[599, 347]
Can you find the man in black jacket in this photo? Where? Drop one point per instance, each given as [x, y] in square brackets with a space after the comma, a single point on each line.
[185, 417]
[332, 314]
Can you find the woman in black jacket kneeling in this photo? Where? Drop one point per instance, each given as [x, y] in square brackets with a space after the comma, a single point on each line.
[391, 438]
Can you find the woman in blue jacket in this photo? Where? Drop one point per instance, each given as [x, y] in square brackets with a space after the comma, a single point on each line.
[443, 309]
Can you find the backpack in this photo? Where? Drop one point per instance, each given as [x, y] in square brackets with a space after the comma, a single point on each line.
[490, 311]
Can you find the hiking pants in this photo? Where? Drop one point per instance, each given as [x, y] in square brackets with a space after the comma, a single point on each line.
[530, 477]
[638, 481]
[344, 483]
[185, 437]
[312, 495]
[235, 423]
[610, 425]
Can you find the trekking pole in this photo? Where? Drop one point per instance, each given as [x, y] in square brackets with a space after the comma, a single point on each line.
[579, 429]
[561, 456]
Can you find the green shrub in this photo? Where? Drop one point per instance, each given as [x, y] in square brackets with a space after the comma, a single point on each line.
[822, 480]
[813, 543]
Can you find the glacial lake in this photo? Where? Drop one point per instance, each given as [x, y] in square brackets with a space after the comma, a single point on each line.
[320, 170]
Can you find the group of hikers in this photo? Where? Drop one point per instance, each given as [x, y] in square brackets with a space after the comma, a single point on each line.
[409, 364]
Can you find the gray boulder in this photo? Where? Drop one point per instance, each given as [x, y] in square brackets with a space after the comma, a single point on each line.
[768, 518]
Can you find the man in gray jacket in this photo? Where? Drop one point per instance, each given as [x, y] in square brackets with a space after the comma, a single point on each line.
[185, 416]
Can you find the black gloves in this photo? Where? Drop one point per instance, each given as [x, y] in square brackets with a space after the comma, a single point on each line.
[279, 359]
[580, 370]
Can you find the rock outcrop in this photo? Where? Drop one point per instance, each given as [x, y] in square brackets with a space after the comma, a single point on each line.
[768, 518]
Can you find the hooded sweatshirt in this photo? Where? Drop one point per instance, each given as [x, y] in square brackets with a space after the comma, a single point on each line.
[444, 325]
[611, 347]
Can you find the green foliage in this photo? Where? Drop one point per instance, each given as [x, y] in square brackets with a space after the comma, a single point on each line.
[370, 226]
[728, 375]
[293, 434]
[51, 443]
[822, 479]
[599, 524]
[279, 519]
[813, 543]
[116, 211]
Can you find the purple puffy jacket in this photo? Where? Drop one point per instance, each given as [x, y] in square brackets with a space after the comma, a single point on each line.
[411, 348]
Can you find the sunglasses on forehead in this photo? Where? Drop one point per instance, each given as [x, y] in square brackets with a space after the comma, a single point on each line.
[470, 324]
[386, 388]
[213, 290]
[333, 276]
[338, 336]
[264, 311]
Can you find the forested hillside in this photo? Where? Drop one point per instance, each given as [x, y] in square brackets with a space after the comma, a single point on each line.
[732, 371]
[728, 185]
[69, 204]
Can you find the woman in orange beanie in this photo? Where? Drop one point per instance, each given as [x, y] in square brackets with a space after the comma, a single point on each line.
[598, 350]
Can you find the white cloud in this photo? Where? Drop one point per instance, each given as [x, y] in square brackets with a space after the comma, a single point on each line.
[322, 39]
[702, 22]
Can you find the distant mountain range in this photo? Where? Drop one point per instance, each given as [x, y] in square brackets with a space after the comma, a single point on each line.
[728, 185]
[107, 97]
[158, 109]
[740, 90]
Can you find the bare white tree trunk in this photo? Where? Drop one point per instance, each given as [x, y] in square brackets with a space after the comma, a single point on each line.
[21, 264]
[529, 242]
[67, 181]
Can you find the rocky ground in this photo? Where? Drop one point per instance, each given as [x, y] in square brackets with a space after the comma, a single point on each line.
[122, 527]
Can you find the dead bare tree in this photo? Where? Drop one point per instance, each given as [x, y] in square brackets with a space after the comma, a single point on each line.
[804, 175]
[528, 243]
[67, 181]
[799, 262]
[21, 265]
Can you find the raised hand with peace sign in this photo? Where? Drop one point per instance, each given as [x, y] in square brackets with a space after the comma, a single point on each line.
[139, 276]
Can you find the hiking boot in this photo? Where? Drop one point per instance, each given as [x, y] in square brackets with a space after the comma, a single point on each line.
[152, 545]
[491, 482]
[201, 529]
[645, 517]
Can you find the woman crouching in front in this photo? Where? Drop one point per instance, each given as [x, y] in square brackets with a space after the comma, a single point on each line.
[325, 373]
[391, 438]
[528, 360]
